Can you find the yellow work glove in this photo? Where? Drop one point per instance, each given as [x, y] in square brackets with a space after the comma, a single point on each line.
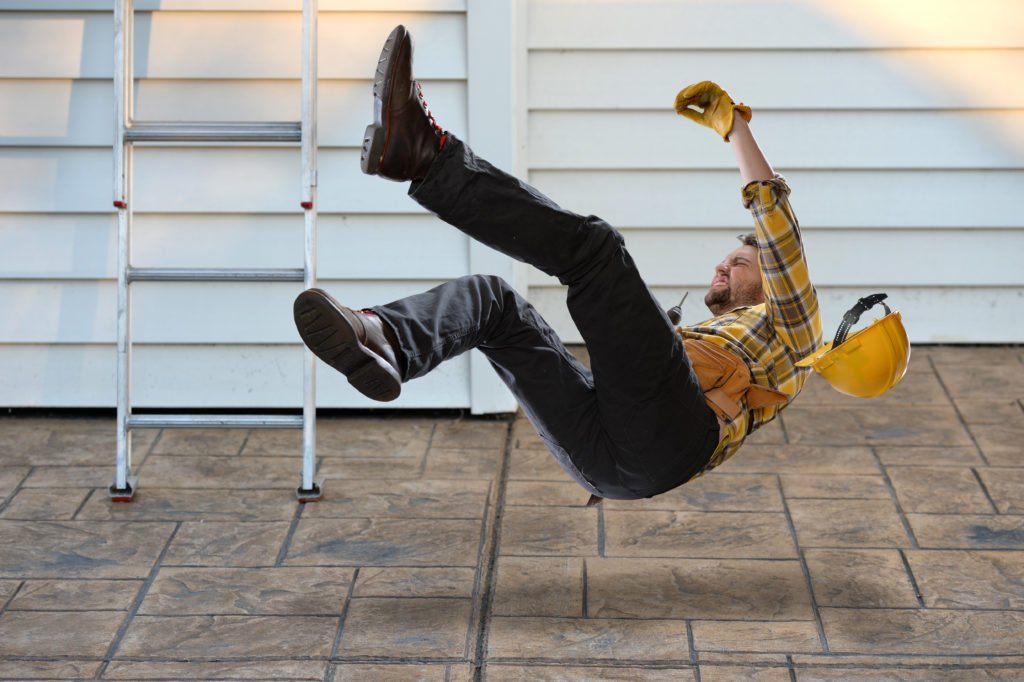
[714, 108]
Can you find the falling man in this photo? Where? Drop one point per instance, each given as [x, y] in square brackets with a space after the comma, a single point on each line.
[661, 404]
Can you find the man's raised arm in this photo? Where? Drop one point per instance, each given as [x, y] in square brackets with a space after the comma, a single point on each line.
[790, 299]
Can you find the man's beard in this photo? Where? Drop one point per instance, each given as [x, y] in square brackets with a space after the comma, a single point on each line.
[724, 299]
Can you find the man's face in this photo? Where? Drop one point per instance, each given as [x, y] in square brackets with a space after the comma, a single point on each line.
[737, 282]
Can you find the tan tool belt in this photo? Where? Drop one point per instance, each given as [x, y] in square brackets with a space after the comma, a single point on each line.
[725, 380]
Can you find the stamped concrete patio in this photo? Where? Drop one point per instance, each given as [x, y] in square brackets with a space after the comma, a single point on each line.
[850, 539]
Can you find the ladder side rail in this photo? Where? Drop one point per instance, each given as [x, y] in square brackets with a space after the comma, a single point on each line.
[123, 86]
[309, 489]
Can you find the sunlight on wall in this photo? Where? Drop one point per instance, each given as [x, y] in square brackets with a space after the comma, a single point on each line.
[208, 44]
[933, 23]
[995, 27]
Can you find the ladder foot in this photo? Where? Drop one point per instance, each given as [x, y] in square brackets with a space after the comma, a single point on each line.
[313, 494]
[124, 494]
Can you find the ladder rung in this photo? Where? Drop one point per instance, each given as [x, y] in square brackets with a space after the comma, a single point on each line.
[207, 421]
[214, 132]
[215, 275]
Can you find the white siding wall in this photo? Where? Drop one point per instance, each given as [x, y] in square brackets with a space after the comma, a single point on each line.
[210, 344]
[900, 126]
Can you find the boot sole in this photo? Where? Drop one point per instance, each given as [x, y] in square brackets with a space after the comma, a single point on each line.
[375, 137]
[331, 337]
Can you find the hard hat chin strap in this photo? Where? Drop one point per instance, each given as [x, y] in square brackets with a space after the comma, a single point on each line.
[852, 315]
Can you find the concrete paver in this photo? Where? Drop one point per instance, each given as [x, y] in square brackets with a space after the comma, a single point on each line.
[1005, 487]
[875, 578]
[299, 670]
[949, 531]
[723, 589]
[529, 531]
[922, 631]
[226, 543]
[1000, 444]
[75, 595]
[848, 523]
[516, 673]
[587, 639]
[228, 637]
[446, 581]
[751, 635]
[686, 534]
[930, 455]
[969, 579]
[80, 549]
[50, 504]
[407, 628]
[357, 672]
[962, 492]
[834, 487]
[274, 591]
[539, 586]
[849, 539]
[33, 633]
[385, 542]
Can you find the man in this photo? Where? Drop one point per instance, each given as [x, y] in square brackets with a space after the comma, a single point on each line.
[660, 405]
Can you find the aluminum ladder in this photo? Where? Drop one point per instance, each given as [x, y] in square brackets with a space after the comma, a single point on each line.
[127, 132]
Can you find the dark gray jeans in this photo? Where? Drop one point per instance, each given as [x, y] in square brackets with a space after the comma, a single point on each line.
[637, 424]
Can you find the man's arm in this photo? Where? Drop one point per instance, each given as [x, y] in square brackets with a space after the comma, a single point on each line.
[753, 165]
[790, 300]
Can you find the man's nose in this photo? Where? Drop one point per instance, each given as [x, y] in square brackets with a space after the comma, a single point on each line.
[722, 269]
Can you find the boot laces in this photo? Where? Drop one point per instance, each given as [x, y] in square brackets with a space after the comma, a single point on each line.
[430, 117]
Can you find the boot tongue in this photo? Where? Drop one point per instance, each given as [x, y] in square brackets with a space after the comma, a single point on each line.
[375, 326]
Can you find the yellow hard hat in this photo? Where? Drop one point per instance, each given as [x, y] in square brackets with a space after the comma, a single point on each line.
[869, 362]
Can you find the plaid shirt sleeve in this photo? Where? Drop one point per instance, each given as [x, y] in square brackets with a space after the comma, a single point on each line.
[791, 302]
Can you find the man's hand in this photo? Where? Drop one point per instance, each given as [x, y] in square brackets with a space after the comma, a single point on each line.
[709, 105]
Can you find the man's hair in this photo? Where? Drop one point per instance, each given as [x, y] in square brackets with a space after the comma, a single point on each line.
[749, 239]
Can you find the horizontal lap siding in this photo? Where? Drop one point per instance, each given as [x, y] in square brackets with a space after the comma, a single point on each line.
[82, 247]
[930, 140]
[817, 80]
[823, 198]
[244, 5]
[778, 24]
[178, 313]
[343, 107]
[191, 180]
[900, 131]
[195, 376]
[204, 344]
[230, 45]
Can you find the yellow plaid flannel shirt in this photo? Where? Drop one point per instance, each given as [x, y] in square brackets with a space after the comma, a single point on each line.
[770, 336]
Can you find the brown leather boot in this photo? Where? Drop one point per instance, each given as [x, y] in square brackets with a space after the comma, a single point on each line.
[354, 343]
[404, 139]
